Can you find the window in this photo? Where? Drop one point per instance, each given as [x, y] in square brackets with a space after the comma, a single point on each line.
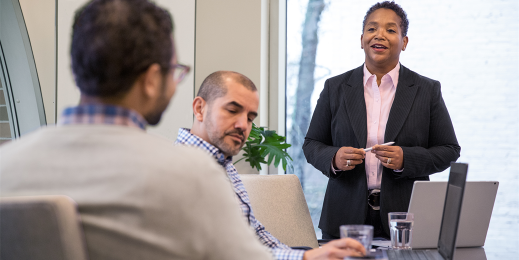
[6, 131]
[471, 48]
[21, 104]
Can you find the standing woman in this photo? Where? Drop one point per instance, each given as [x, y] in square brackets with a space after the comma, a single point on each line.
[378, 102]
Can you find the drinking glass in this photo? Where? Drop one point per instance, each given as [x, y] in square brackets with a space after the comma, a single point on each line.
[401, 229]
[361, 233]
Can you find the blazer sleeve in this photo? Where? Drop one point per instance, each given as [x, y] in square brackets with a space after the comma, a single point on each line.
[318, 146]
[443, 146]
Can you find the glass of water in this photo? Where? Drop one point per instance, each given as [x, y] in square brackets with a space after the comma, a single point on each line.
[361, 233]
[401, 229]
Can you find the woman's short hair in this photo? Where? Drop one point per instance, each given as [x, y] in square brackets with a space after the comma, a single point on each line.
[404, 23]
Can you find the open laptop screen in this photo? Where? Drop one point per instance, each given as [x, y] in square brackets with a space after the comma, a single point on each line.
[452, 210]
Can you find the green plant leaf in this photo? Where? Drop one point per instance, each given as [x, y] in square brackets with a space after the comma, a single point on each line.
[263, 144]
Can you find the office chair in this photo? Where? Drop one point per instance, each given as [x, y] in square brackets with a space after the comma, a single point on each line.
[279, 204]
[40, 227]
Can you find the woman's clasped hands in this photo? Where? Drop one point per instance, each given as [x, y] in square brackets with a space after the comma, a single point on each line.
[347, 158]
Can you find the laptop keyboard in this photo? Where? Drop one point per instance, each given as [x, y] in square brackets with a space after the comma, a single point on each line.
[410, 254]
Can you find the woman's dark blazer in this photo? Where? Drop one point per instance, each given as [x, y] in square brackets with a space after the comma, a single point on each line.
[418, 122]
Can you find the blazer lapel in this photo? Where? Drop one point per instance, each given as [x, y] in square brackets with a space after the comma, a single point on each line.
[356, 105]
[404, 98]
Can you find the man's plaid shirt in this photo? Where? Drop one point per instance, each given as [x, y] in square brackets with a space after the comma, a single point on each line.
[279, 250]
[102, 114]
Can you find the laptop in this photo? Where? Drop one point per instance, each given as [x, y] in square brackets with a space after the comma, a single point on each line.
[450, 220]
[427, 203]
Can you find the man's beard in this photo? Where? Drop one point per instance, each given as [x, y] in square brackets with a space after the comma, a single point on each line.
[219, 141]
[162, 103]
[154, 118]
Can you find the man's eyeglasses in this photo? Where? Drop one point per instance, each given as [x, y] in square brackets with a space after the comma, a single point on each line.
[179, 72]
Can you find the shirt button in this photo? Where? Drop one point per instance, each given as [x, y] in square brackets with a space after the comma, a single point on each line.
[375, 122]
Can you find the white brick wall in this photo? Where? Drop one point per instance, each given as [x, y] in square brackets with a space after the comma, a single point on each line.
[472, 48]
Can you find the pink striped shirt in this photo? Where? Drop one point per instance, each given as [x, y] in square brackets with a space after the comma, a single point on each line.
[378, 104]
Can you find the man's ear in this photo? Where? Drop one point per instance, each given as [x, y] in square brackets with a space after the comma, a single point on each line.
[361, 37]
[199, 107]
[152, 81]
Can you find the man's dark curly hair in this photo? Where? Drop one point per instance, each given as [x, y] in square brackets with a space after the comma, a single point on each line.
[404, 23]
[114, 41]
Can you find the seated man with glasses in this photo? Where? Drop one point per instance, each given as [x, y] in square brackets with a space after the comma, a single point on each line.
[139, 197]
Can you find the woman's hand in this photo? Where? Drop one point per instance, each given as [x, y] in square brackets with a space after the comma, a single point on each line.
[347, 157]
[392, 157]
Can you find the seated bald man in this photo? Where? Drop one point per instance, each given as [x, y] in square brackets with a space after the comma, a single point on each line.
[224, 109]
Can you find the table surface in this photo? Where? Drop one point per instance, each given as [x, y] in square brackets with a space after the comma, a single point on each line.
[461, 253]
[467, 253]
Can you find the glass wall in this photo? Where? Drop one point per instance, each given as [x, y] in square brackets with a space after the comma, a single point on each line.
[5, 122]
[470, 46]
[21, 104]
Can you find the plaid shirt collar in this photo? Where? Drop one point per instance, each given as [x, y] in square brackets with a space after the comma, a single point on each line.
[185, 137]
[102, 114]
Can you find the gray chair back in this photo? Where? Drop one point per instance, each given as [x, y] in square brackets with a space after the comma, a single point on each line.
[279, 204]
[40, 227]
